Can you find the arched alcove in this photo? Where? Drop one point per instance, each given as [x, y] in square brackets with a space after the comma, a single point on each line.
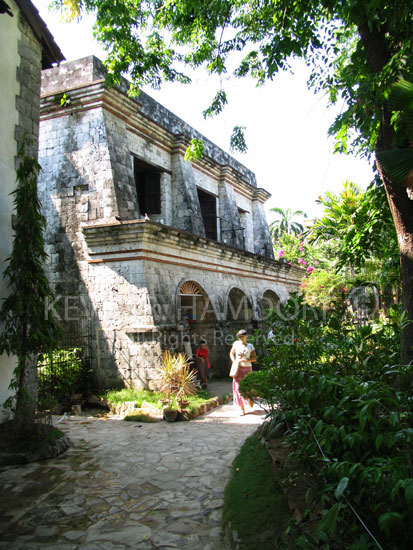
[239, 308]
[270, 300]
[194, 305]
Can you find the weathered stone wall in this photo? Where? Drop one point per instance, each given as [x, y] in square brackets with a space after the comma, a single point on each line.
[234, 231]
[28, 76]
[122, 173]
[186, 209]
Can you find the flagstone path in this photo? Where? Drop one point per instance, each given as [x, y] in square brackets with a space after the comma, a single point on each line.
[126, 485]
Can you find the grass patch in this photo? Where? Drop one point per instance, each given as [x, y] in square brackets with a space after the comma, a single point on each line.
[201, 397]
[140, 417]
[116, 397]
[253, 502]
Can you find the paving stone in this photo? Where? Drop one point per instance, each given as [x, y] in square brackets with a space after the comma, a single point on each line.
[74, 535]
[129, 535]
[45, 531]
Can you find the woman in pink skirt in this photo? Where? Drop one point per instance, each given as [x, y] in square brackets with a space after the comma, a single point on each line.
[244, 355]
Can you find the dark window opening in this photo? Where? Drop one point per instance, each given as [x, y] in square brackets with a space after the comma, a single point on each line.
[209, 213]
[242, 228]
[148, 187]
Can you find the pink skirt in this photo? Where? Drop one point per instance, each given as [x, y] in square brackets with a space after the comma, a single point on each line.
[238, 399]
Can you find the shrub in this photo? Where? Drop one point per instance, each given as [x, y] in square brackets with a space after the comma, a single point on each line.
[334, 392]
[117, 397]
[61, 373]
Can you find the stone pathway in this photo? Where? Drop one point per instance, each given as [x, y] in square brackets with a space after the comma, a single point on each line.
[125, 485]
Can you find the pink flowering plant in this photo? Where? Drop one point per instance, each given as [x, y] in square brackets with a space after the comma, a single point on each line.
[325, 289]
[296, 250]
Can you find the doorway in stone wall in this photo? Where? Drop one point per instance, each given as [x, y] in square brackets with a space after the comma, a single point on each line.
[197, 319]
[195, 309]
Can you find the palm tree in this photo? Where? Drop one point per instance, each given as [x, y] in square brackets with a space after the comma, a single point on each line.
[339, 212]
[339, 217]
[285, 223]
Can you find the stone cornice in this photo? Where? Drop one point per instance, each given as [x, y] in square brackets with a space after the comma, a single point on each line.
[152, 241]
[261, 195]
[78, 98]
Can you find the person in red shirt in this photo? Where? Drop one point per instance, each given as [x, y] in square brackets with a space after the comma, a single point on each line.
[202, 363]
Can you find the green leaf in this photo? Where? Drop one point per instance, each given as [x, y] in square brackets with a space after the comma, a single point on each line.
[408, 492]
[395, 490]
[396, 163]
[318, 427]
[401, 96]
[379, 441]
[390, 521]
[237, 142]
[341, 487]
[328, 523]
[217, 105]
[393, 418]
[195, 150]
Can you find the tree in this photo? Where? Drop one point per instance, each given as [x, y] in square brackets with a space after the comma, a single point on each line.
[339, 213]
[296, 250]
[285, 222]
[27, 331]
[357, 51]
[359, 227]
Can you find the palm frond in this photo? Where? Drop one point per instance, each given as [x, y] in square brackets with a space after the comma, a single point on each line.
[397, 163]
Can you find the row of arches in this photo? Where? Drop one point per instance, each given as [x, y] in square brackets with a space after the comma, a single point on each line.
[195, 306]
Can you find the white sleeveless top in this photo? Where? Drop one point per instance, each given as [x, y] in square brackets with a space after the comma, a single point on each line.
[243, 353]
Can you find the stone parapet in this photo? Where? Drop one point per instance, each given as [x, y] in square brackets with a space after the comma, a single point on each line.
[118, 242]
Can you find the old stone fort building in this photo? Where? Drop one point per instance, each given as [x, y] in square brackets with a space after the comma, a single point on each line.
[147, 251]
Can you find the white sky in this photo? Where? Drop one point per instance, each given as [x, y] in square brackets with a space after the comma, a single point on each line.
[288, 147]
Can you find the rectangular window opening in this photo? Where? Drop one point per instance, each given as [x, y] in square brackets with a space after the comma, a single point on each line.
[208, 205]
[148, 187]
[243, 224]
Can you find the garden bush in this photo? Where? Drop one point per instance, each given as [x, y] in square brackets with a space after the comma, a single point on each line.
[335, 391]
[61, 373]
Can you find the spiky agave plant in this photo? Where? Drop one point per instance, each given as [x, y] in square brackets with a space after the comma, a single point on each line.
[175, 377]
[187, 381]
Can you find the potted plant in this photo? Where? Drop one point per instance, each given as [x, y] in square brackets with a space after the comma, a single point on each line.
[176, 380]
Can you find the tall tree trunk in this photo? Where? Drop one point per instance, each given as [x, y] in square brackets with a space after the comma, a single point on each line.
[21, 400]
[25, 398]
[402, 210]
[400, 204]
[401, 207]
